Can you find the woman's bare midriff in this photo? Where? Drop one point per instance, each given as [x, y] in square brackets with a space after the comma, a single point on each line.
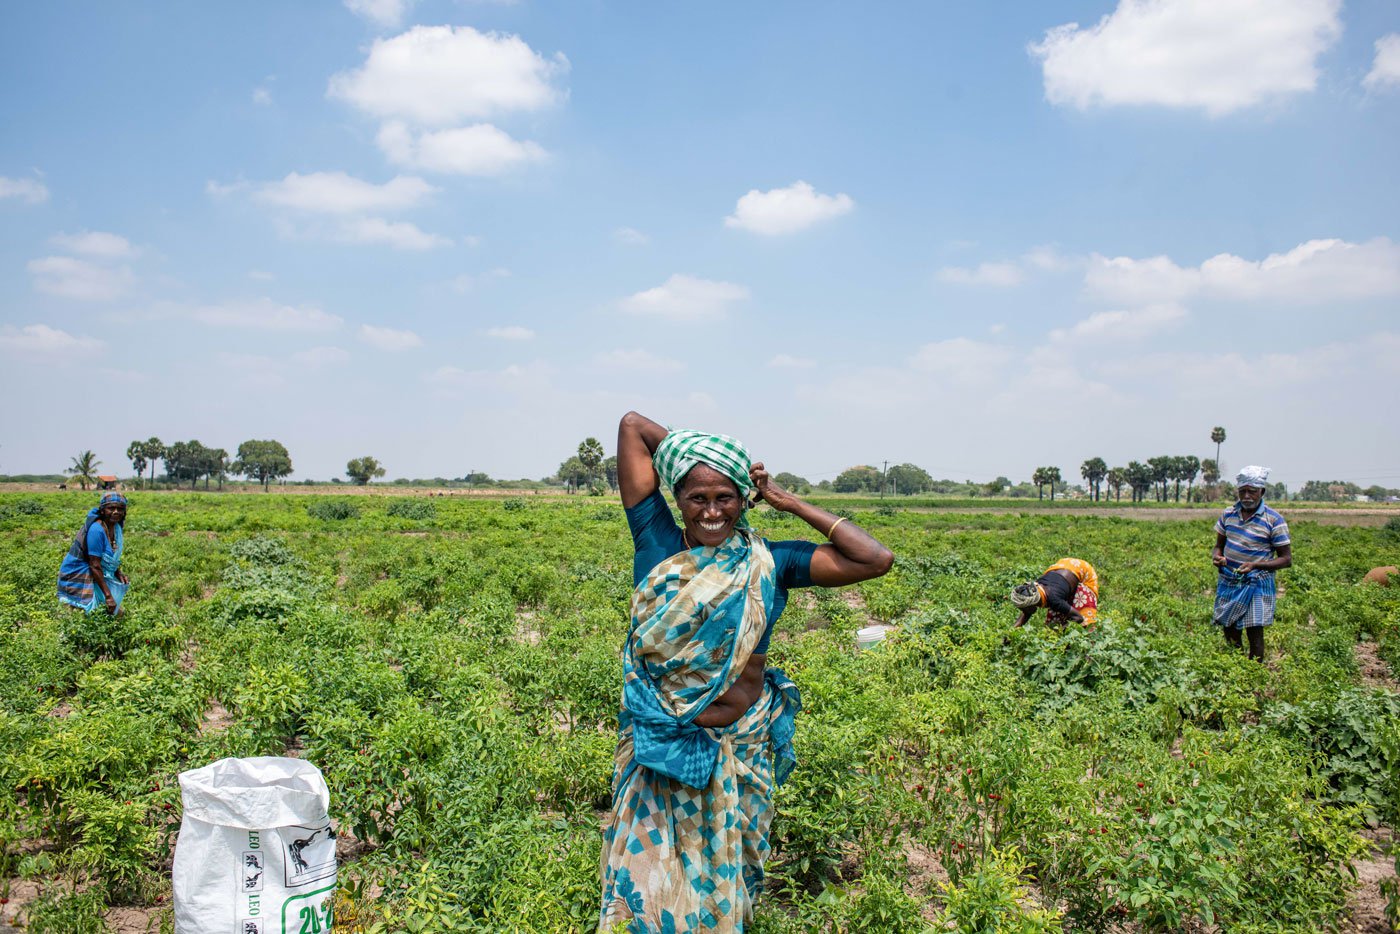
[732, 704]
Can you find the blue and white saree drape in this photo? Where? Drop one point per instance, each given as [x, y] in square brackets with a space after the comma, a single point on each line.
[684, 848]
[76, 586]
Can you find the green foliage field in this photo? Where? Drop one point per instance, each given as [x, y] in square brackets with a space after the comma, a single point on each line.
[454, 672]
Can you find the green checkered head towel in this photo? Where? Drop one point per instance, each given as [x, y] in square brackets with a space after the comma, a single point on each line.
[682, 449]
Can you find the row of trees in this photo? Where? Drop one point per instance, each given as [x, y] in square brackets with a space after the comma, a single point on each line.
[262, 461]
[1141, 478]
[1338, 491]
[1156, 476]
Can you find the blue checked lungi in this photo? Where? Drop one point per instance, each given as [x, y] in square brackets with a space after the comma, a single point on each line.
[1244, 600]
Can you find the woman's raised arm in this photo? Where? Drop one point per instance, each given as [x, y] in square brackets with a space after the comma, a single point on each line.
[637, 438]
[853, 555]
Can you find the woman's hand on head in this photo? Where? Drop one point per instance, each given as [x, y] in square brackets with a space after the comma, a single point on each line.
[768, 491]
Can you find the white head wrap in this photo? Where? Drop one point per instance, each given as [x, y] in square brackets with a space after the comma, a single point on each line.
[1252, 476]
[1026, 595]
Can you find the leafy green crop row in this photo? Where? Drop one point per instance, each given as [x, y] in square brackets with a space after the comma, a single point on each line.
[452, 667]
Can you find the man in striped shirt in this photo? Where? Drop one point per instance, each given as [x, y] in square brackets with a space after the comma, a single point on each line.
[1251, 542]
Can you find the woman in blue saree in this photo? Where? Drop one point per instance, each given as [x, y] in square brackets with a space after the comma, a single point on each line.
[705, 729]
[90, 576]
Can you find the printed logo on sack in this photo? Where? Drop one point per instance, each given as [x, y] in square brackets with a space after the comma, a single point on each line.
[251, 926]
[310, 853]
[252, 872]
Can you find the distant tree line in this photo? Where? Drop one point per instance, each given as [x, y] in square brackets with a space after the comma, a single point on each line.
[1339, 491]
[590, 469]
[259, 461]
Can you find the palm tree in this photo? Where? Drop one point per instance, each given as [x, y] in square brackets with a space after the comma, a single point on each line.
[153, 450]
[1094, 470]
[1040, 478]
[590, 455]
[1140, 479]
[216, 466]
[1161, 472]
[1052, 477]
[84, 468]
[1117, 477]
[1210, 473]
[1190, 466]
[136, 453]
[1217, 434]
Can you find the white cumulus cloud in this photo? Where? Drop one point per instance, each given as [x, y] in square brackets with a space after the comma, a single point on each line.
[40, 339]
[339, 193]
[686, 298]
[512, 332]
[1385, 70]
[629, 236]
[480, 149]
[1001, 275]
[1117, 326]
[25, 189]
[94, 243]
[401, 235]
[386, 13]
[67, 277]
[787, 210]
[389, 339]
[1214, 55]
[441, 75]
[1315, 271]
[266, 315]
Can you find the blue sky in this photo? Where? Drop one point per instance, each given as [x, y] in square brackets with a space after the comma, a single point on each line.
[465, 235]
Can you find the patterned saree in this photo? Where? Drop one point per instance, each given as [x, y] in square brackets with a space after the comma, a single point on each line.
[685, 845]
[1086, 595]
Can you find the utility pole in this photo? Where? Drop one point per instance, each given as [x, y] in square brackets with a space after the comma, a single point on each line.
[884, 474]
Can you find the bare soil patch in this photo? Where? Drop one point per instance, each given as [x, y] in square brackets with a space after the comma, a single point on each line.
[1366, 908]
[853, 599]
[22, 892]
[527, 630]
[926, 875]
[216, 719]
[133, 920]
[1375, 673]
[187, 656]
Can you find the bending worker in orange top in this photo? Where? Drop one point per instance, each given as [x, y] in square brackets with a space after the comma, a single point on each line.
[1069, 590]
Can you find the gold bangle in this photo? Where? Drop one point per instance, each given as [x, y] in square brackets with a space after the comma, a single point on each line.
[834, 525]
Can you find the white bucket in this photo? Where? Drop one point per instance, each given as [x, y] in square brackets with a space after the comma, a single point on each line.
[871, 636]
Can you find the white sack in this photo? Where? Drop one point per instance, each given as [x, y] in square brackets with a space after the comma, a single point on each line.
[256, 853]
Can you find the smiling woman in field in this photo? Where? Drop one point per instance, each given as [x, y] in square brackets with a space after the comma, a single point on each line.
[91, 575]
[706, 727]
